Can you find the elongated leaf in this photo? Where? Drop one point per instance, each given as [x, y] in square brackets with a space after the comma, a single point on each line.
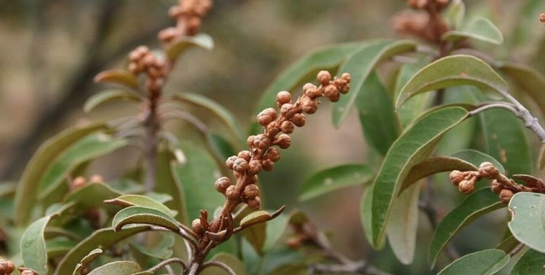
[255, 218]
[476, 205]
[33, 247]
[83, 151]
[25, 197]
[377, 116]
[529, 80]
[360, 65]
[456, 70]
[109, 96]
[334, 178]
[434, 165]
[257, 233]
[409, 149]
[214, 108]
[143, 215]
[161, 249]
[478, 28]
[476, 158]
[485, 262]
[166, 184]
[91, 195]
[139, 200]
[180, 46]
[415, 105]
[528, 221]
[95, 253]
[305, 69]
[530, 263]
[402, 228]
[103, 238]
[117, 268]
[233, 262]
[454, 14]
[367, 215]
[122, 77]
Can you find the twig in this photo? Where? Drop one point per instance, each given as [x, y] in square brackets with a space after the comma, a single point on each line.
[516, 249]
[220, 265]
[167, 262]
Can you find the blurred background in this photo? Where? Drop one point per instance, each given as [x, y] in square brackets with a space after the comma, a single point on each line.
[50, 51]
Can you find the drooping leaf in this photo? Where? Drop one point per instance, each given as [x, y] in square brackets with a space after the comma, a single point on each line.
[178, 47]
[122, 77]
[379, 122]
[255, 227]
[117, 268]
[95, 253]
[528, 80]
[360, 65]
[478, 28]
[103, 238]
[109, 96]
[402, 228]
[143, 215]
[456, 70]
[454, 13]
[414, 145]
[476, 205]
[33, 247]
[484, 262]
[528, 219]
[334, 178]
[530, 263]
[27, 189]
[233, 262]
[476, 158]
[139, 200]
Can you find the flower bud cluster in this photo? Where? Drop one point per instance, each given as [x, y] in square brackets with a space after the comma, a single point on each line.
[6, 267]
[422, 4]
[188, 14]
[142, 60]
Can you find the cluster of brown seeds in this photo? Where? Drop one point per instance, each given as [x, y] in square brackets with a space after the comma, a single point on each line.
[142, 60]
[188, 14]
[542, 18]
[422, 4]
[6, 267]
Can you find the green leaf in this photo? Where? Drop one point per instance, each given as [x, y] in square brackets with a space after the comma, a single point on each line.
[140, 200]
[414, 145]
[103, 238]
[528, 80]
[117, 268]
[33, 249]
[360, 65]
[379, 122]
[95, 253]
[233, 262]
[109, 96]
[530, 263]
[122, 77]
[475, 206]
[305, 69]
[334, 178]
[166, 183]
[476, 158]
[178, 47]
[456, 70]
[478, 28]
[255, 218]
[506, 141]
[91, 195]
[27, 190]
[485, 262]
[58, 247]
[454, 14]
[415, 105]
[83, 151]
[366, 216]
[143, 215]
[161, 249]
[403, 225]
[257, 233]
[528, 221]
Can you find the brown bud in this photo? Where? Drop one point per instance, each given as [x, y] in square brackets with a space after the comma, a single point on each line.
[196, 227]
[293, 242]
[149, 59]
[78, 182]
[505, 195]
[27, 272]
[287, 110]
[251, 179]
[273, 154]
[332, 93]
[251, 191]
[267, 164]
[347, 77]
[299, 120]
[273, 128]
[282, 98]
[283, 141]
[309, 106]
[174, 11]
[6, 267]
[287, 127]
[245, 154]
[324, 77]
[250, 141]
[231, 193]
[266, 116]
[261, 141]
[222, 184]
[230, 161]
[488, 170]
[542, 18]
[133, 68]
[496, 186]
[456, 177]
[96, 178]
[240, 165]
[466, 186]
[254, 167]
[308, 89]
[254, 203]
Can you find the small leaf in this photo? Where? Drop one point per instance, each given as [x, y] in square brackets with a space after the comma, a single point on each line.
[456, 70]
[530, 263]
[139, 200]
[476, 205]
[334, 178]
[402, 228]
[527, 223]
[360, 65]
[109, 96]
[33, 247]
[414, 145]
[379, 122]
[255, 218]
[485, 262]
[528, 80]
[180, 46]
[233, 262]
[95, 253]
[143, 215]
[255, 235]
[27, 189]
[478, 28]
[122, 77]
[454, 13]
[117, 268]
